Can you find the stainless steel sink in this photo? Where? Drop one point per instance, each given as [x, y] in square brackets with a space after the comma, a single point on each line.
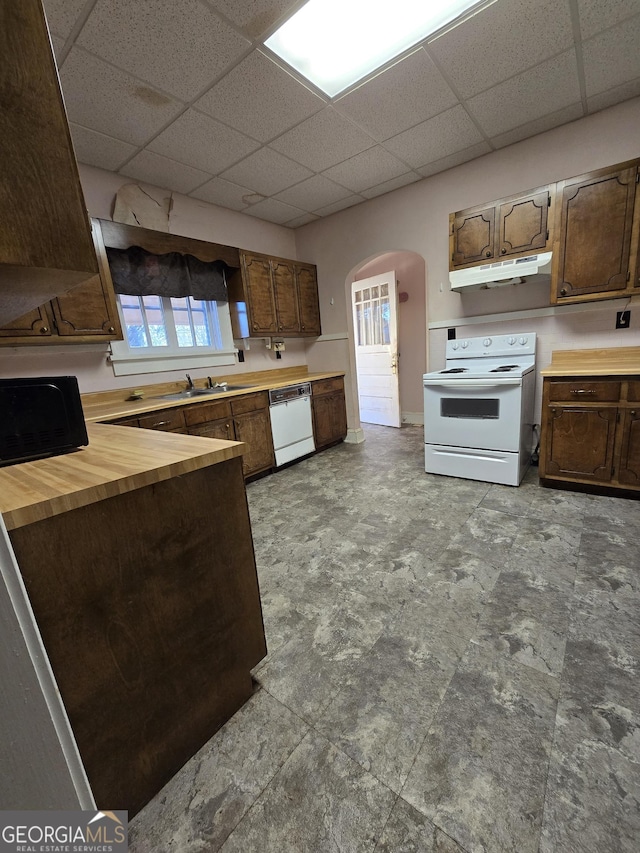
[190, 393]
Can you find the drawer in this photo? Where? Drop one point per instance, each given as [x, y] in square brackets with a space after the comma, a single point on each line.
[201, 413]
[633, 394]
[130, 422]
[327, 386]
[250, 403]
[167, 420]
[580, 391]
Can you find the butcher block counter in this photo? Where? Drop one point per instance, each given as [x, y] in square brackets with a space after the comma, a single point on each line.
[137, 556]
[619, 361]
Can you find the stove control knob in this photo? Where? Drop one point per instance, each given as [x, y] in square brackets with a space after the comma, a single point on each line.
[465, 344]
[486, 342]
[523, 341]
[455, 345]
[511, 341]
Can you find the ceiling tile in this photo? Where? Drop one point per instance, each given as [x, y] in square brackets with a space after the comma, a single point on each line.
[598, 15]
[305, 219]
[260, 99]
[267, 172]
[612, 58]
[97, 149]
[323, 140]
[394, 184]
[61, 15]
[254, 16]
[503, 39]
[202, 142]
[456, 159]
[367, 169]
[614, 96]
[223, 193]
[532, 128]
[128, 109]
[274, 211]
[350, 201]
[402, 96]
[444, 134]
[313, 193]
[548, 87]
[179, 47]
[162, 172]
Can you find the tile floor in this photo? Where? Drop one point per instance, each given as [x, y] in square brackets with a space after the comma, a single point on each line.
[453, 666]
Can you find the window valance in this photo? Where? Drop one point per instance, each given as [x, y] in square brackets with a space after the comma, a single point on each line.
[140, 273]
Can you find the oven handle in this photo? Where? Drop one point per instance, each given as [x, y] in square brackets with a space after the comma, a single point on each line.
[470, 383]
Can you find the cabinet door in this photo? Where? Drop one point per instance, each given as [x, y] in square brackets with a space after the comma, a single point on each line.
[329, 419]
[286, 297]
[595, 234]
[473, 236]
[254, 428]
[259, 292]
[522, 224]
[222, 428]
[629, 465]
[579, 443]
[35, 324]
[88, 309]
[307, 284]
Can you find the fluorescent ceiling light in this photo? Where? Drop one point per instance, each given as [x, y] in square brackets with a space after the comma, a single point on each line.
[335, 43]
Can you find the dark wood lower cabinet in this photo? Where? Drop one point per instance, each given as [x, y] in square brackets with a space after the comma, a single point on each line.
[329, 411]
[150, 612]
[594, 443]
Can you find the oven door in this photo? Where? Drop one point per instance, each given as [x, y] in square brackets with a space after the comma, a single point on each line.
[479, 413]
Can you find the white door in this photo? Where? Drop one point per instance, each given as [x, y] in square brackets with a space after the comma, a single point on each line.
[375, 322]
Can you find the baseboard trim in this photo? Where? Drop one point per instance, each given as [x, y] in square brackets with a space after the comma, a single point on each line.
[413, 418]
[354, 436]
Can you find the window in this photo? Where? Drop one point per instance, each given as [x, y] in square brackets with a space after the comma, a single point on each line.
[166, 333]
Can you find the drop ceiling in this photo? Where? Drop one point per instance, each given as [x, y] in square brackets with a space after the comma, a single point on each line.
[182, 94]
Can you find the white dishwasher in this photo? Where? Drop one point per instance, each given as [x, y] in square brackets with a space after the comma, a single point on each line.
[291, 424]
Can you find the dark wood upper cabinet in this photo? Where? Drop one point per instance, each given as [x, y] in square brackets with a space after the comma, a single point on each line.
[508, 227]
[307, 287]
[286, 298]
[595, 233]
[259, 295]
[45, 239]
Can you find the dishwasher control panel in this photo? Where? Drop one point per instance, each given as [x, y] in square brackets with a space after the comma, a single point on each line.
[291, 392]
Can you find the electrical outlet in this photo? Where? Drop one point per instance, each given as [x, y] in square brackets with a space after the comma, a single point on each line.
[623, 319]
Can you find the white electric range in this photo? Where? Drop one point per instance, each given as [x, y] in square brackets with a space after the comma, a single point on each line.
[478, 411]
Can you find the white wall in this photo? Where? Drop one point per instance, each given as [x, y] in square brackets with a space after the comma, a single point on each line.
[416, 218]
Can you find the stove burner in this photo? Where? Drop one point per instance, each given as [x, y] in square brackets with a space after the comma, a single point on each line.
[455, 370]
[505, 368]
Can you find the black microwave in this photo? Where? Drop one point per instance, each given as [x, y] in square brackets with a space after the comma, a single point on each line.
[40, 417]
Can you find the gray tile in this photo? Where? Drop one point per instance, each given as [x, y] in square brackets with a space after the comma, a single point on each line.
[321, 800]
[481, 772]
[408, 831]
[487, 534]
[208, 797]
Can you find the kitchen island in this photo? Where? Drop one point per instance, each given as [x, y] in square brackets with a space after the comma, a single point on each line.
[137, 556]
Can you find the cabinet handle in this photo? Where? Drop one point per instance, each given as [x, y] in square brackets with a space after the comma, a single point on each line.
[160, 423]
[488, 254]
[582, 391]
[563, 292]
[111, 330]
[44, 330]
[504, 252]
[632, 413]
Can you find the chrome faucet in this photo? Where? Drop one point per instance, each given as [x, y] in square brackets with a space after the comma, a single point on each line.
[190, 384]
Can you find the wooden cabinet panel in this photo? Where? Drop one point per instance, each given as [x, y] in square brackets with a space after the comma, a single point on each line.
[35, 323]
[259, 295]
[222, 428]
[473, 236]
[201, 413]
[580, 443]
[329, 411]
[167, 420]
[579, 391]
[307, 286]
[522, 224]
[633, 391]
[327, 386]
[595, 233]
[45, 239]
[254, 428]
[88, 309]
[629, 466]
[286, 298]
[249, 402]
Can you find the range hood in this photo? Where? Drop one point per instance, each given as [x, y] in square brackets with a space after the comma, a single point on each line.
[516, 271]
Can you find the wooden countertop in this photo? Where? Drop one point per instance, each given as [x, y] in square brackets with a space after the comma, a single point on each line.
[118, 459]
[109, 405]
[621, 361]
